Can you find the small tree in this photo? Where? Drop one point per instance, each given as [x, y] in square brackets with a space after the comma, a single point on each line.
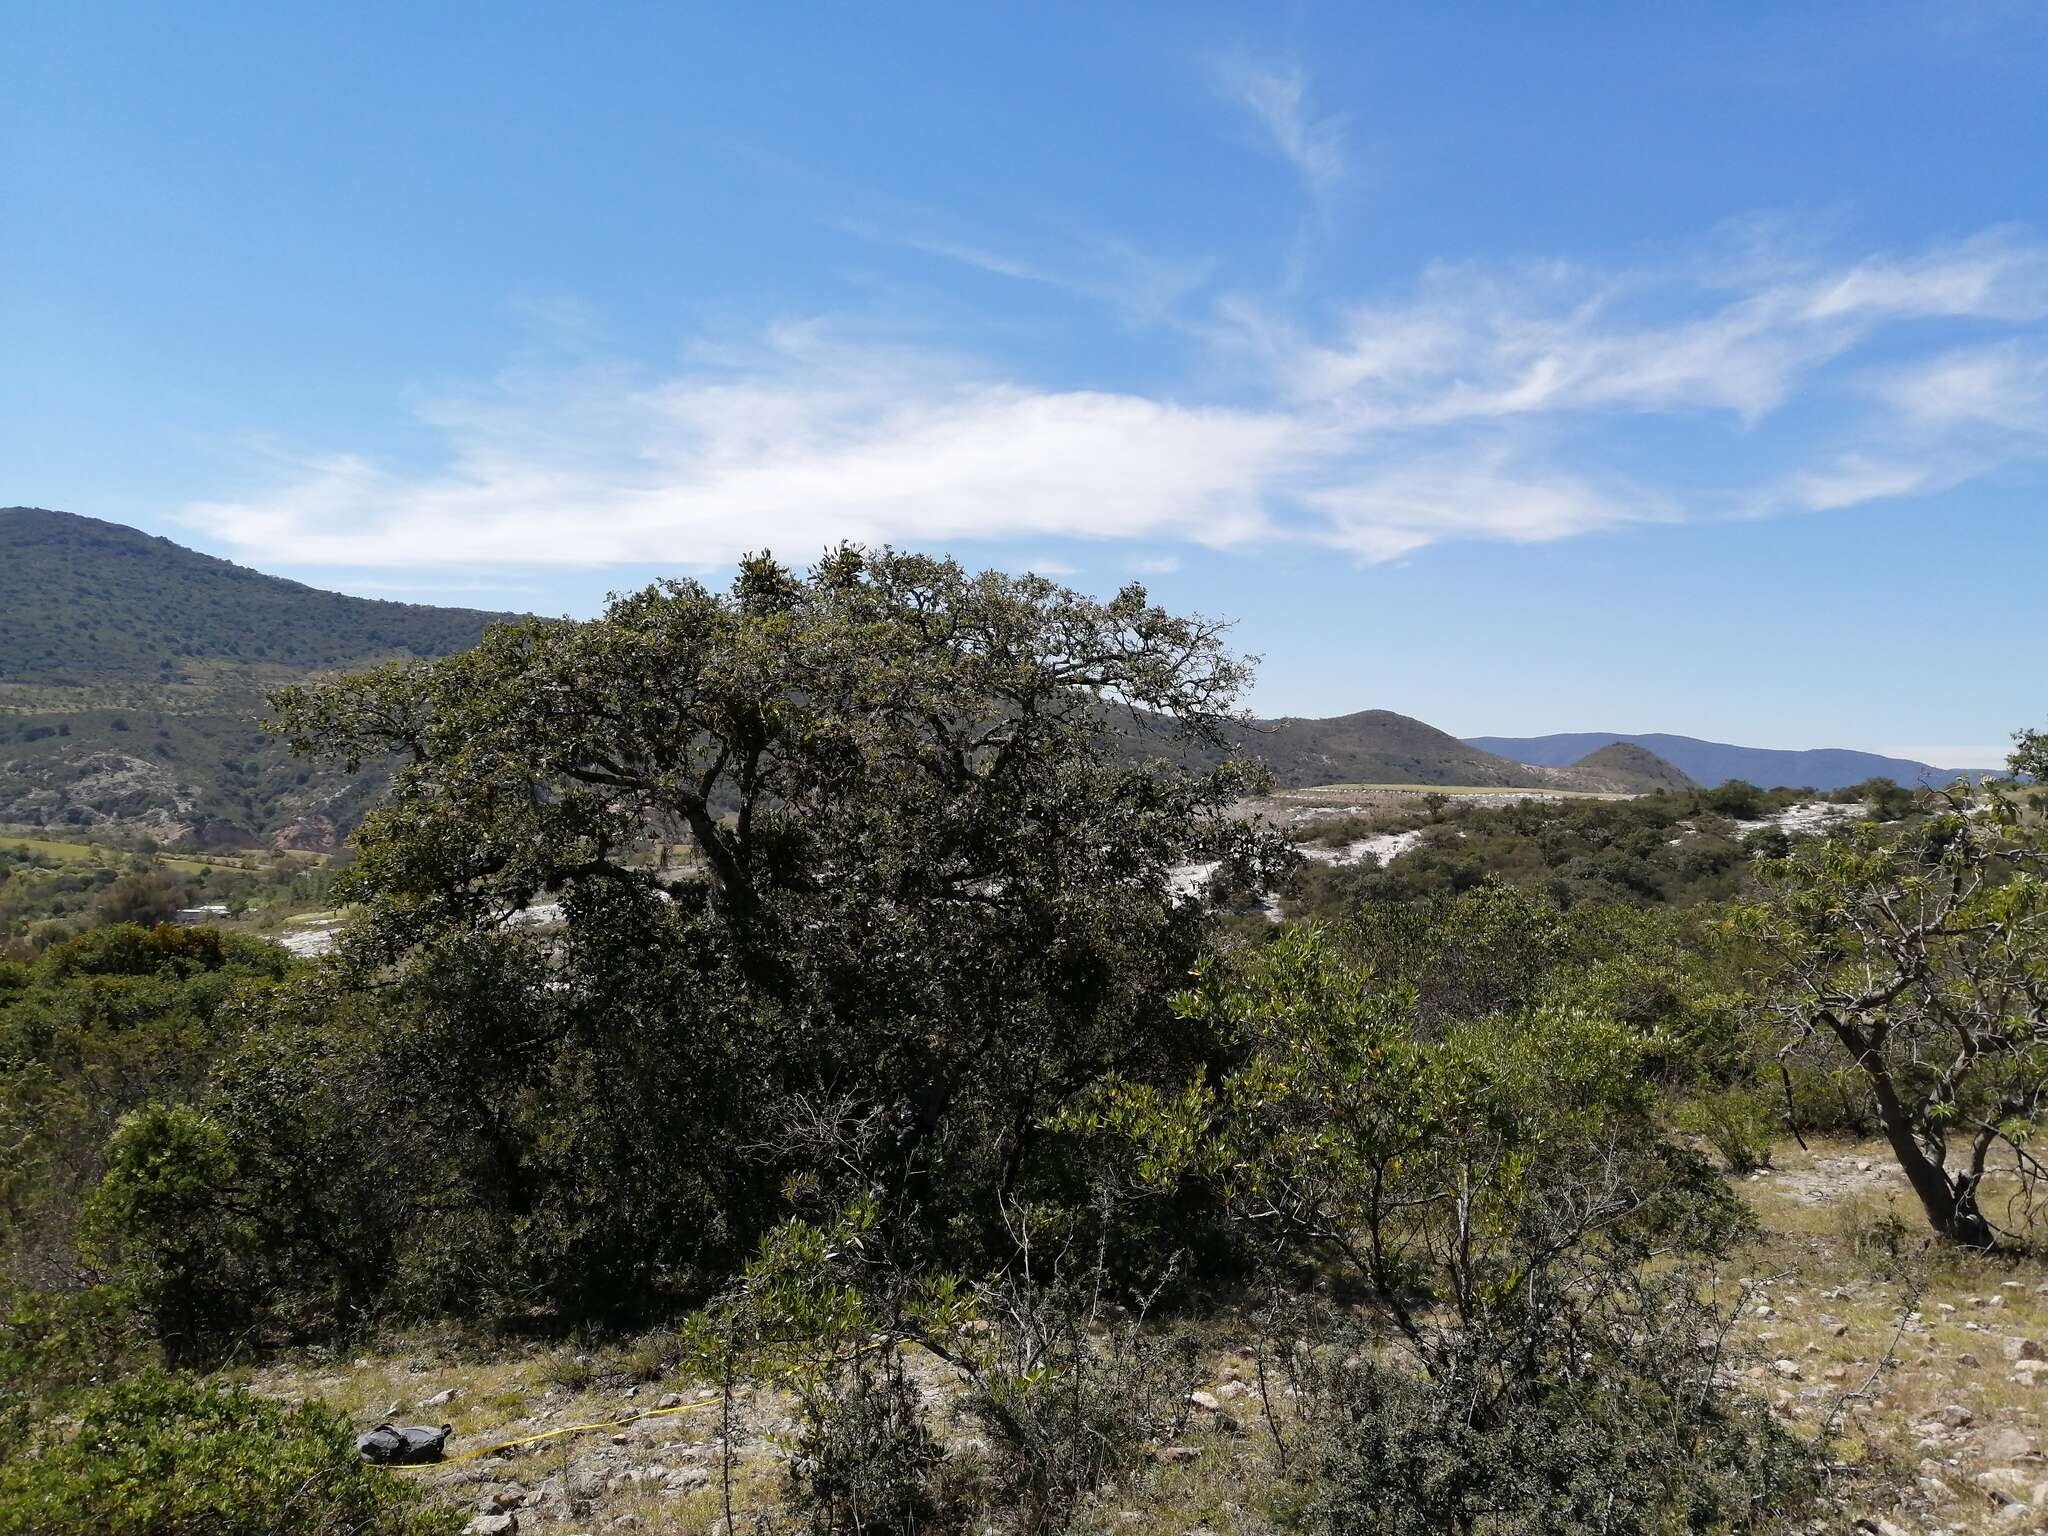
[1528, 1248]
[1919, 959]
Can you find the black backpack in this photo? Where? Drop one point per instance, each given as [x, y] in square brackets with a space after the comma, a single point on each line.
[402, 1443]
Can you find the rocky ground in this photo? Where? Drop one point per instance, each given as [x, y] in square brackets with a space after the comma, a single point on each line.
[1929, 1368]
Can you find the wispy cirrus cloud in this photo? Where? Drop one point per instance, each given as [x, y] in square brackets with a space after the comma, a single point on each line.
[1485, 343]
[1501, 403]
[1143, 286]
[2002, 387]
[1278, 98]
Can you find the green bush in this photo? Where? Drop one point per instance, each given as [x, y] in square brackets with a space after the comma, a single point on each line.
[867, 1462]
[1069, 1399]
[164, 1455]
[1738, 1123]
[1832, 1100]
[1548, 1426]
[91, 1030]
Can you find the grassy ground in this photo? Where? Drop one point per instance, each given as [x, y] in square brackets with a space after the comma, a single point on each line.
[84, 850]
[1915, 1358]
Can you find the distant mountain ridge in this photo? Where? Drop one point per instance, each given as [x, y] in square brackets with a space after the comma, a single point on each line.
[1715, 762]
[1378, 746]
[1375, 746]
[133, 674]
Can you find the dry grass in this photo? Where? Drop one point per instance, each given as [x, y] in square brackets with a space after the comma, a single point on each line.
[1904, 1345]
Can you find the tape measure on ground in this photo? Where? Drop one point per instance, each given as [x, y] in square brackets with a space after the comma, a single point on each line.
[569, 1429]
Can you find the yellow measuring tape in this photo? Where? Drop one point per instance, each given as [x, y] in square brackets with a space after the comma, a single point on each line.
[566, 1429]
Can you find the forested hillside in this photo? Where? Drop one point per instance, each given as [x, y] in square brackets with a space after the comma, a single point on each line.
[132, 681]
[84, 603]
[1629, 769]
[133, 674]
[1373, 746]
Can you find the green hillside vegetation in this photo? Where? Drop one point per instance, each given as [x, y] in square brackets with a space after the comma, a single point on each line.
[1668, 849]
[133, 677]
[918, 1154]
[920, 1121]
[52, 891]
[84, 603]
[91, 1029]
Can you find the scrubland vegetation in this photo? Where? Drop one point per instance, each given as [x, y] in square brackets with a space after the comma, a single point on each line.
[881, 1142]
[52, 890]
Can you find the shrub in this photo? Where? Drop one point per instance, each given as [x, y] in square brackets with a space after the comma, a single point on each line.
[1550, 1426]
[164, 1455]
[867, 1462]
[1737, 799]
[1527, 1256]
[1737, 1123]
[1069, 1400]
[166, 1198]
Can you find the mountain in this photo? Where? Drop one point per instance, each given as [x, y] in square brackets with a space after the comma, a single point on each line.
[85, 602]
[132, 676]
[1714, 762]
[1374, 746]
[1626, 768]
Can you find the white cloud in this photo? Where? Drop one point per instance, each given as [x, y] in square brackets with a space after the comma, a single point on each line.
[1156, 565]
[803, 444]
[1507, 404]
[1278, 99]
[1395, 511]
[1857, 478]
[1484, 344]
[2003, 387]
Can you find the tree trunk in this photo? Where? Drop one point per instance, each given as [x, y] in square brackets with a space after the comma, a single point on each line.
[1952, 1212]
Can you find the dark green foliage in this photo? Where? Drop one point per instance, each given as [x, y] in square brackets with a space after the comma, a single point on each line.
[1734, 798]
[92, 1029]
[864, 836]
[1673, 849]
[166, 1456]
[1492, 949]
[1737, 1122]
[1529, 1256]
[1673, 978]
[1069, 1397]
[53, 1346]
[1564, 1424]
[134, 671]
[82, 601]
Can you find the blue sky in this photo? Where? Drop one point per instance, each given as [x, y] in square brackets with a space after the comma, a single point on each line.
[1520, 368]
